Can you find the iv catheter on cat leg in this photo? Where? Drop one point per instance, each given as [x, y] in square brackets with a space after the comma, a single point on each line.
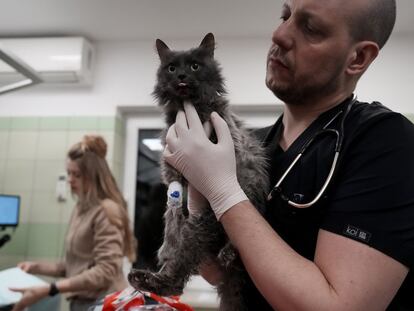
[175, 195]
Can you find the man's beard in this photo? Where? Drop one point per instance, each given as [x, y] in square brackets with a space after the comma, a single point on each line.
[302, 95]
[299, 93]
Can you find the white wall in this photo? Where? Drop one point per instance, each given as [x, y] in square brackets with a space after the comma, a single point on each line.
[390, 79]
[125, 75]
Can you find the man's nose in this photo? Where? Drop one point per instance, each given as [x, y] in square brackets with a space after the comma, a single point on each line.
[283, 35]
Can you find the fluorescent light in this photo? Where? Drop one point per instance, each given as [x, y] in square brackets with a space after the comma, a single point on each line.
[153, 143]
[29, 75]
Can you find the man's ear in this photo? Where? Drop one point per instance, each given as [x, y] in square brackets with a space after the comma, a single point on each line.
[361, 58]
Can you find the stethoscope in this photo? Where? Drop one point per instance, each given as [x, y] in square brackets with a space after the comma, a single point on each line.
[325, 131]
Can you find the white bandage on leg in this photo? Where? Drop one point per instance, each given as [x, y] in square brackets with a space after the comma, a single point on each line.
[175, 195]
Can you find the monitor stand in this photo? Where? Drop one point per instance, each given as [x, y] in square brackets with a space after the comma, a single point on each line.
[5, 238]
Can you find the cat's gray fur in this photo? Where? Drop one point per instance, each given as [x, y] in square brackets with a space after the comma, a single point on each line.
[190, 240]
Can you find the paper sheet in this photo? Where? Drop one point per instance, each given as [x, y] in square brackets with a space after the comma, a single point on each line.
[15, 277]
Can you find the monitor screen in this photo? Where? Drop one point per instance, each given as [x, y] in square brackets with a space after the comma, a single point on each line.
[9, 210]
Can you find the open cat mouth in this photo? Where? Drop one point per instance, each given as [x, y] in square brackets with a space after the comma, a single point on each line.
[183, 89]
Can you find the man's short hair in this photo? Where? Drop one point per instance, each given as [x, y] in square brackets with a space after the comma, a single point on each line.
[374, 21]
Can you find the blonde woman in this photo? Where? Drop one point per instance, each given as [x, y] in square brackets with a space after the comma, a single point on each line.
[99, 234]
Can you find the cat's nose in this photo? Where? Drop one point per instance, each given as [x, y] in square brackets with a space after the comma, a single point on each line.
[182, 76]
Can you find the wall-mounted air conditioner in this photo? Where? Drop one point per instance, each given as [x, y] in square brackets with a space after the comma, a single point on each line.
[56, 60]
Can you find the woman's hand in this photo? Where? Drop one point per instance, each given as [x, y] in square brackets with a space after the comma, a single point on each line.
[30, 296]
[27, 266]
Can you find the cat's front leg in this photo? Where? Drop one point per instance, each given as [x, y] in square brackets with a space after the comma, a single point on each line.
[196, 239]
[174, 220]
[156, 282]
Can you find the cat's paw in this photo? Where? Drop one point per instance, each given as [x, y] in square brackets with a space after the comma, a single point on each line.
[154, 282]
[227, 256]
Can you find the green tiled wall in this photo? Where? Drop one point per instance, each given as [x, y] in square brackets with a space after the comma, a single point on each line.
[32, 155]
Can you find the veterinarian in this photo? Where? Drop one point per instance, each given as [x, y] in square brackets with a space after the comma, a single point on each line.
[98, 236]
[338, 233]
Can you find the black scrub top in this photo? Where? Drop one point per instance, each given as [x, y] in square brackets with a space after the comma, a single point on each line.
[370, 198]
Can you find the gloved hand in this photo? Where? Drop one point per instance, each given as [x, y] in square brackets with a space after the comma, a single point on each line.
[209, 167]
[196, 202]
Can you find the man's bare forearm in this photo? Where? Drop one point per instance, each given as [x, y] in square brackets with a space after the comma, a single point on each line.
[345, 274]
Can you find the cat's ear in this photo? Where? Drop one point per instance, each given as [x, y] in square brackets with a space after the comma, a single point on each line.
[208, 44]
[162, 49]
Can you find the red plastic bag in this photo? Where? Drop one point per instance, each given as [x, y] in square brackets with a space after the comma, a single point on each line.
[131, 299]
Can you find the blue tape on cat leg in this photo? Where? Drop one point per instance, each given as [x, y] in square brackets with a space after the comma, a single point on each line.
[174, 195]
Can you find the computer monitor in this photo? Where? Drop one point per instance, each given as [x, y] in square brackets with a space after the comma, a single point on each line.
[9, 210]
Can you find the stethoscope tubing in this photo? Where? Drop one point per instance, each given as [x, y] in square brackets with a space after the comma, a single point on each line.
[338, 146]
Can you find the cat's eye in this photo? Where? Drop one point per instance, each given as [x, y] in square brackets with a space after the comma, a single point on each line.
[171, 68]
[195, 67]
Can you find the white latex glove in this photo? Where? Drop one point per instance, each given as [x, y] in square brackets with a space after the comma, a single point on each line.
[209, 167]
[196, 202]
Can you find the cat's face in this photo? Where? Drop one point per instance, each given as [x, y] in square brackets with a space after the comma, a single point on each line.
[187, 75]
[182, 74]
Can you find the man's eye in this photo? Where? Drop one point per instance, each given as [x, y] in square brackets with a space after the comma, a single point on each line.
[285, 15]
[171, 68]
[309, 29]
[195, 67]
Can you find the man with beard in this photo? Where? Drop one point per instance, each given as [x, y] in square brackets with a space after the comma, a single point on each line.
[338, 232]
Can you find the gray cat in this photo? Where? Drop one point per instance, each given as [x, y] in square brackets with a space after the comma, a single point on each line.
[195, 76]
